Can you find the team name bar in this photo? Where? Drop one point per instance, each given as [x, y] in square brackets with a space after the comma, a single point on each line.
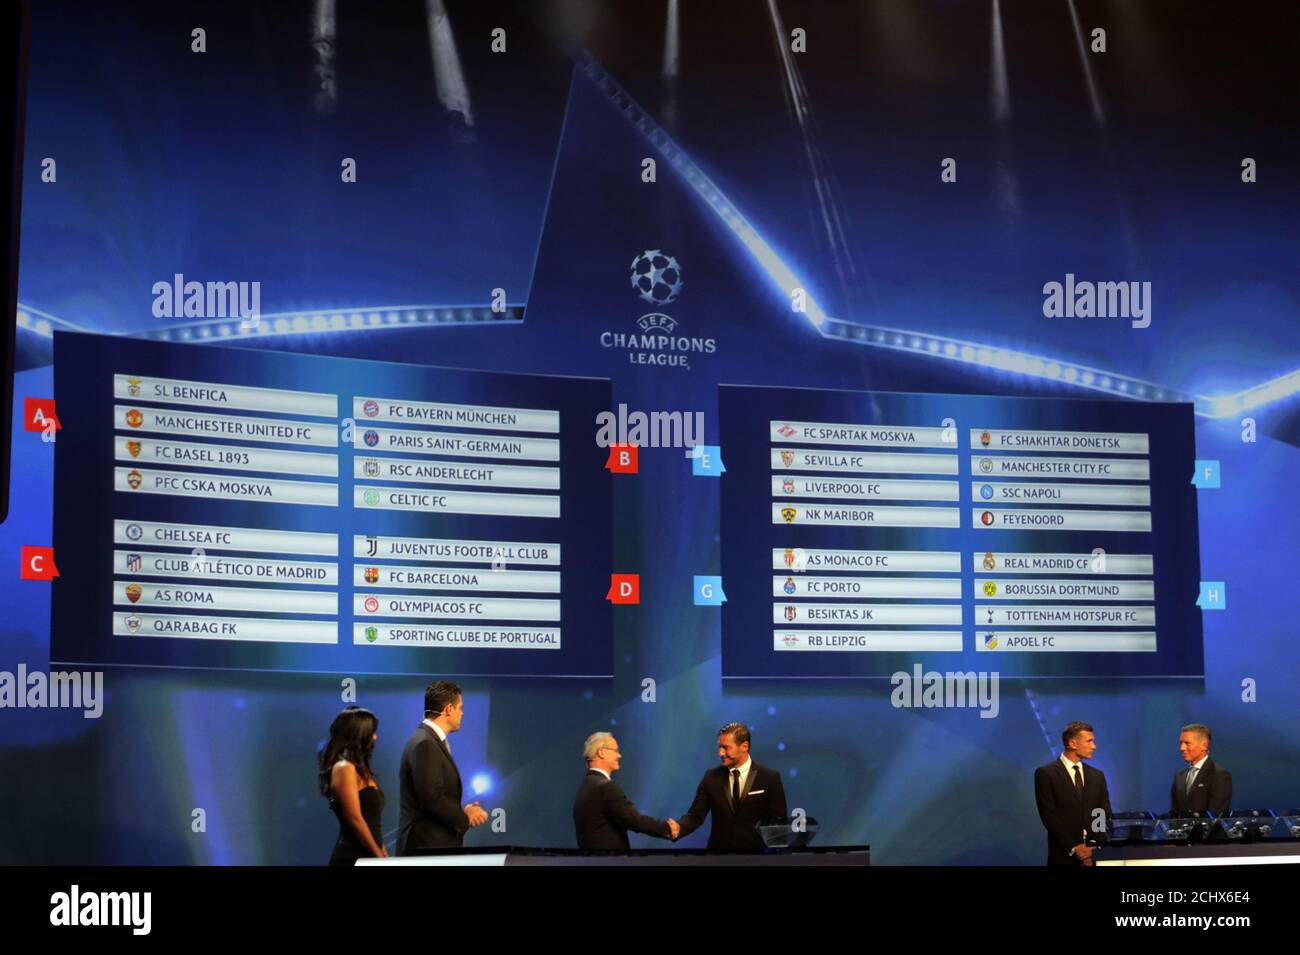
[195, 484]
[1038, 520]
[457, 472]
[207, 537]
[456, 502]
[866, 614]
[1048, 641]
[164, 564]
[487, 608]
[230, 629]
[415, 441]
[821, 432]
[860, 587]
[460, 551]
[802, 512]
[866, 640]
[178, 392]
[878, 561]
[418, 635]
[1069, 616]
[483, 417]
[1065, 589]
[1134, 495]
[1108, 469]
[1099, 564]
[275, 430]
[884, 490]
[1079, 442]
[418, 577]
[867, 462]
[226, 598]
[152, 451]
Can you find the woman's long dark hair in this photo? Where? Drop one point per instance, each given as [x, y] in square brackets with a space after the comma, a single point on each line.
[351, 738]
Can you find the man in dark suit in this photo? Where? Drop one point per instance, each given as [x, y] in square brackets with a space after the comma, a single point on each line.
[740, 794]
[1203, 784]
[432, 816]
[1074, 804]
[602, 813]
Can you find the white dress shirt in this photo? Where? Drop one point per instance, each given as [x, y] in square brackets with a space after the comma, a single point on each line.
[438, 732]
[1069, 767]
[1193, 771]
[744, 775]
[603, 772]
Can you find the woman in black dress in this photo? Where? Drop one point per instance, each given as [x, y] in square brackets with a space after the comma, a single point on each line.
[347, 782]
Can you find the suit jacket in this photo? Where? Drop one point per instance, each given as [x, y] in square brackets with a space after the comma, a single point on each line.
[1212, 790]
[602, 816]
[1067, 818]
[432, 817]
[763, 799]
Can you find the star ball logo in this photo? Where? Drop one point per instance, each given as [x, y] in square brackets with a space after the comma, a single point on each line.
[657, 278]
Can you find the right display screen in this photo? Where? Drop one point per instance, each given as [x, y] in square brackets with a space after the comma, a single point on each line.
[865, 532]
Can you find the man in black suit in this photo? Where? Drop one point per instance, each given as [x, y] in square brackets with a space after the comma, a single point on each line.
[602, 813]
[432, 816]
[740, 794]
[1074, 804]
[1203, 784]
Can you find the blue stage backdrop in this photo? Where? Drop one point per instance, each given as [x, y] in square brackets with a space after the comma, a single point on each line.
[923, 210]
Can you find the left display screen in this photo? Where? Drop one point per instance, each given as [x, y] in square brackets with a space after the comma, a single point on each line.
[231, 508]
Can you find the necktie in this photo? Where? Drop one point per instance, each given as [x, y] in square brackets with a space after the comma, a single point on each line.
[1191, 778]
[1078, 780]
[735, 789]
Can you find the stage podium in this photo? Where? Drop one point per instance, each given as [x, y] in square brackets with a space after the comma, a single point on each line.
[521, 856]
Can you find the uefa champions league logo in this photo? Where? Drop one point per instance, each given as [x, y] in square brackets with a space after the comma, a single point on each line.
[657, 277]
